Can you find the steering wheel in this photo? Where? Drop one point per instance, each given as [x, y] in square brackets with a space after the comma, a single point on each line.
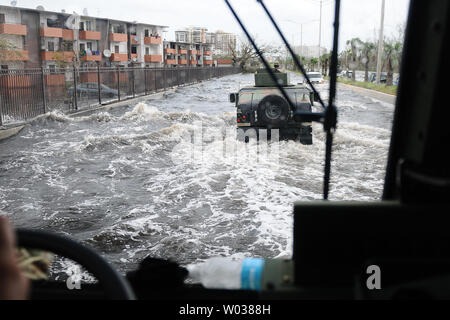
[115, 286]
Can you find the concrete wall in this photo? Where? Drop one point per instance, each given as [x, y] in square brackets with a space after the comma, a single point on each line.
[12, 15]
[32, 39]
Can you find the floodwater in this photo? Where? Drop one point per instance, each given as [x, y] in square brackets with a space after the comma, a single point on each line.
[122, 181]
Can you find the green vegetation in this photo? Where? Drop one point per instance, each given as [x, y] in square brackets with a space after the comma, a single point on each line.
[372, 86]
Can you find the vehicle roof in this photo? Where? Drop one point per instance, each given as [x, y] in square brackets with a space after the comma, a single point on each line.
[290, 87]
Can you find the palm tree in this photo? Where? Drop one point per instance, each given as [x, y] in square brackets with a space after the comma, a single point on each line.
[324, 62]
[355, 47]
[368, 51]
[312, 63]
[392, 51]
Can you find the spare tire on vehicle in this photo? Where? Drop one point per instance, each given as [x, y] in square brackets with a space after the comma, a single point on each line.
[273, 111]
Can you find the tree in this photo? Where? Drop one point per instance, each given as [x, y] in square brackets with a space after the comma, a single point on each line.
[8, 51]
[312, 63]
[368, 50]
[392, 51]
[355, 49]
[325, 62]
[244, 53]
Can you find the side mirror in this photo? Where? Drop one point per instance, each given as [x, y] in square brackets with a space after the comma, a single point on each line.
[233, 97]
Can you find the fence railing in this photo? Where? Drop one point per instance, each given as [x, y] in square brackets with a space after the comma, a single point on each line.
[27, 93]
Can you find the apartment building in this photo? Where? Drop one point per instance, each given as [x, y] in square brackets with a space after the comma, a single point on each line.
[183, 54]
[224, 42]
[52, 39]
[191, 35]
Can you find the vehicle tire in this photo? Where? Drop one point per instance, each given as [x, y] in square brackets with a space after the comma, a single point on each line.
[273, 111]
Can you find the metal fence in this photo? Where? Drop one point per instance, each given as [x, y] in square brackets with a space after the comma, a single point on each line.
[27, 93]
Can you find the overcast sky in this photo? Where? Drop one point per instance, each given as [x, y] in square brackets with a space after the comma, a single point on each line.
[360, 18]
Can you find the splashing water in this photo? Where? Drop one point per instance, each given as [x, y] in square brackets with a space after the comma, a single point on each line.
[111, 178]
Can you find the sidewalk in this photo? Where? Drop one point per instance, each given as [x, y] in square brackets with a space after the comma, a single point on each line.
[384, 97]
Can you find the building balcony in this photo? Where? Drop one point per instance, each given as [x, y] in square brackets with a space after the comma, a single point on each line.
[182, 61]
[90, 35]
[208, 62]
[182, 51]
[16, 29]
[93, 57]
[152, 40]
[224, 61]
[51, 32]
[16, 55]
[66, 56]
[153, 58]
[207, 53]
[118, 37]
[118, 57]
[170, 51]
[194, 52]
[193, 62]
[134, 39]
[67, 34]
[171, 61]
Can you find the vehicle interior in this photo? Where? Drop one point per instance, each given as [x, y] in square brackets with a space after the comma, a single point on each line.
[405, 234]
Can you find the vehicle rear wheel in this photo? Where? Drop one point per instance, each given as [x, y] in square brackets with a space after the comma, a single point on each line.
[273, 111]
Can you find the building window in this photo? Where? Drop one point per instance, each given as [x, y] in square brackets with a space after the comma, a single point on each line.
[52, 68]
[2, 18]
[82, 47]
[88, 25]
[5, 67]
[116, 49]
[51, 46]
[81, 26]
[68, 45]
[133, 49]
[146, 33]
[147, 51]
[89, 45]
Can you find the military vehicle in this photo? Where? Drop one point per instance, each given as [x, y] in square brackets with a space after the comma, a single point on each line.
[262, 108]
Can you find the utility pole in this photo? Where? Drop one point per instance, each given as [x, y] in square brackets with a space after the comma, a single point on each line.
[301, 40]
[320, 29]
[380, 43]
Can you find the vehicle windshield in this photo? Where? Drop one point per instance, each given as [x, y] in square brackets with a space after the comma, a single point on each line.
[151, 166]
[315, 75]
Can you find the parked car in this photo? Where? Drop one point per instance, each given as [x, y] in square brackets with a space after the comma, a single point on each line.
[373, 77]
[90, 90]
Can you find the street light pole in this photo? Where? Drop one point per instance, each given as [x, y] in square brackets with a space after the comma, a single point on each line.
[380, 43]
[320, 28]
[301, 40]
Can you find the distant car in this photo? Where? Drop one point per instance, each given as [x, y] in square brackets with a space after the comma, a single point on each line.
[90, 89]
[373, 77]
[316, 77]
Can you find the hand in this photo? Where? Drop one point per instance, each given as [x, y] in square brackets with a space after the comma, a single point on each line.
[13, 284]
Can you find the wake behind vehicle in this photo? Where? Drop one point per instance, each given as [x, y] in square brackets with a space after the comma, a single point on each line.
[261, 108]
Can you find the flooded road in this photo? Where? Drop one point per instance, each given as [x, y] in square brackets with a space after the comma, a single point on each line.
[111, 180]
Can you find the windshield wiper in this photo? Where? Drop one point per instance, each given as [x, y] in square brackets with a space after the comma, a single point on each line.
[261, 56]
